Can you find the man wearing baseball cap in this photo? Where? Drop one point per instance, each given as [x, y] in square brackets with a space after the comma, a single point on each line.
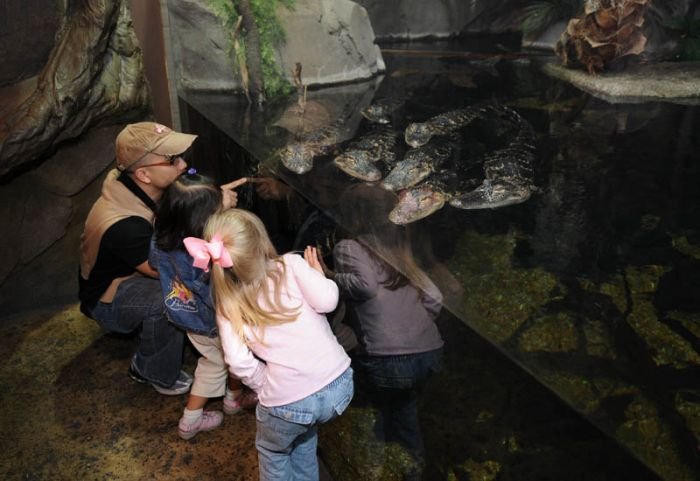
[118, 287]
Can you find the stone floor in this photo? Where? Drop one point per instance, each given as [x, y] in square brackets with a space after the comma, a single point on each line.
[69, 411]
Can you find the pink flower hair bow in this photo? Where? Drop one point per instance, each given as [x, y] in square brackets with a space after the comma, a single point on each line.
[202, 252]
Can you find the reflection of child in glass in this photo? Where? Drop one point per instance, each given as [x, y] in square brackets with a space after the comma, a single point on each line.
[275, 336]
[185, 207]
[395, 305]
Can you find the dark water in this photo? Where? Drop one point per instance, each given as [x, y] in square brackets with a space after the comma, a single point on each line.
[584, 299]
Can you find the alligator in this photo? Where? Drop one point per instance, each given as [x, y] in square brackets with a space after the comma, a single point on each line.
[508, 178]
[432, 174]
[508, 171]
[360, 158]
[382, 110]
[420, 133]
[299, 156]
[419, 163]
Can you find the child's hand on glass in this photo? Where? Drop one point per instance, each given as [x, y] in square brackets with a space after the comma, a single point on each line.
[311, 256]
[230, 197]
[315, 260]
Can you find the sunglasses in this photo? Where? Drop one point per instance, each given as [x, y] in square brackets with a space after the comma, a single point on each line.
[170, 160]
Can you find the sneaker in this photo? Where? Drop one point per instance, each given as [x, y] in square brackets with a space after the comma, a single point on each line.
[207, 421]
[232, 406]
[135, 376]
[247, 400]
[181, 385]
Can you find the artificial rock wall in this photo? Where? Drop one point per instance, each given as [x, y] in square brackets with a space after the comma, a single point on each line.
[416, 19]
[64, 95]
[332, 39]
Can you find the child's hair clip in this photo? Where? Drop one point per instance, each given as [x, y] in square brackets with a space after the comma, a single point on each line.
[191, 171]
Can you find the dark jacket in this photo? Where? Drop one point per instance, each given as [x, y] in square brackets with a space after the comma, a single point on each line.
[185, 289]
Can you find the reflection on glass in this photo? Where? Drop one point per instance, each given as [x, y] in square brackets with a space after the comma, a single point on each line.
[399, 345]
[589, 285]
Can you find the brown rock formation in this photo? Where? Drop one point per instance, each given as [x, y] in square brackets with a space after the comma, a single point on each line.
[608, 30]
[94, 73]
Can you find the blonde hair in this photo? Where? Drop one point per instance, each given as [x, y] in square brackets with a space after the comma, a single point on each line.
[238, 290]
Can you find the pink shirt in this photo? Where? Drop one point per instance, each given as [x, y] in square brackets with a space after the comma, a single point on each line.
[297, 358]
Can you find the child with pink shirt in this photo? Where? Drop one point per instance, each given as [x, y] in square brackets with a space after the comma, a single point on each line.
[276, 339]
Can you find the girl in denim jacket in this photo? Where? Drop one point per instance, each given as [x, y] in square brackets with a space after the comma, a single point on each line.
[276, 338]
[185, 207]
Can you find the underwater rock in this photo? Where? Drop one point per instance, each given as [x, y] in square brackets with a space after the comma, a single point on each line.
[349, 445]
[666, 347]
[550, 334]
[649, 436]
[501, 297]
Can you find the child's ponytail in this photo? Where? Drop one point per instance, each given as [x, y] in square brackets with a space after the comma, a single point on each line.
[256, 276]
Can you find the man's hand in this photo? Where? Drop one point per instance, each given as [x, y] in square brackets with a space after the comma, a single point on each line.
[230, 197]
[269, 188]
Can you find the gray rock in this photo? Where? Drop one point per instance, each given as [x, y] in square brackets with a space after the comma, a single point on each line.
[316, 31]
[332, 39]
[201, 48]
[46, 216]
[548, 39]
[34, 219]
[76, 164]
[415, 19]
[51, 276]
[675, 82]
[11, 202]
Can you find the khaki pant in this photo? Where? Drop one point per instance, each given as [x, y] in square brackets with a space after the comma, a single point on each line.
[211, 375]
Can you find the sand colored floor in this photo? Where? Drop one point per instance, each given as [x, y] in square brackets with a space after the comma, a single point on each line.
[69, 411]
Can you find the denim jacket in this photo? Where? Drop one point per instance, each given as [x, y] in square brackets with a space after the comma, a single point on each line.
[185, 289]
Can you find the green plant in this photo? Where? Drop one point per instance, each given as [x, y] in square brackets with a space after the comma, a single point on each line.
[271, 35]
[541, 14]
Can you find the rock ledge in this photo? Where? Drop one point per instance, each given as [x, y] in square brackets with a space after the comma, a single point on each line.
[677, 82]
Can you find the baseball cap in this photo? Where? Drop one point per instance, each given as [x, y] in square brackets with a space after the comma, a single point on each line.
[137, 140]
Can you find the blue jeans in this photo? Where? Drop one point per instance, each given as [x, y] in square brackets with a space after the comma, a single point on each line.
[287, 435]
[139, 303]
[393, 384]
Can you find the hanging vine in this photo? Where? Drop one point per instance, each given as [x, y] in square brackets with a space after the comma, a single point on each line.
[255, 34]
